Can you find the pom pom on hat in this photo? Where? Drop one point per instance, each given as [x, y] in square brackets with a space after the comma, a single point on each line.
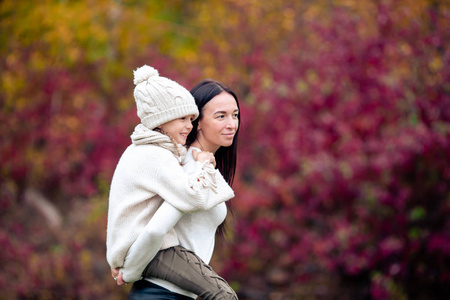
[159, 99]
[144, 73]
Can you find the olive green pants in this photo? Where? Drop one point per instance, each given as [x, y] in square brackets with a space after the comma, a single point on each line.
[185, 269]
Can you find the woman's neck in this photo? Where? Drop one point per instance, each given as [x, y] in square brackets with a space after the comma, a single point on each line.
[202, 145]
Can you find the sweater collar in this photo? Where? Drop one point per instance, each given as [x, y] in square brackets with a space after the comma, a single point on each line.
[144, 136]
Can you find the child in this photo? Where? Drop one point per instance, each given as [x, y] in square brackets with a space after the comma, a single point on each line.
[149, 172]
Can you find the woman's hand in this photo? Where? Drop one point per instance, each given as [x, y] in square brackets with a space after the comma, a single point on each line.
[118, 276]
[204, 156]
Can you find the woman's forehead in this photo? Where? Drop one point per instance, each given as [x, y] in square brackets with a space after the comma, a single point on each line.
[221, 102]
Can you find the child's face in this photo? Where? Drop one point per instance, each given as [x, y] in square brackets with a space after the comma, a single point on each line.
[178, 129]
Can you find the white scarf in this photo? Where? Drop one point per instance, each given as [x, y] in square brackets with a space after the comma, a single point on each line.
[142, 136]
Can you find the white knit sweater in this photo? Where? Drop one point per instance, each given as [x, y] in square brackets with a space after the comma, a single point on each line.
[196, 231]
[144, 176]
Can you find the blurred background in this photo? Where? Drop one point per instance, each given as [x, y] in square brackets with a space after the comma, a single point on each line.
[343, 181]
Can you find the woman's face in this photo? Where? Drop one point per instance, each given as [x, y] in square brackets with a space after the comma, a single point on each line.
[219, 122]
[178, 129]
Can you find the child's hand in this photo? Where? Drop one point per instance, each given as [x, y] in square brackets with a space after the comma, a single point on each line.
[118, 276]
[204, 156]
[115, 272]
[120, 280]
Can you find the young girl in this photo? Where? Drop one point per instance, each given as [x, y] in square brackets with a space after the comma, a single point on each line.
[149, 171]
[214, 131]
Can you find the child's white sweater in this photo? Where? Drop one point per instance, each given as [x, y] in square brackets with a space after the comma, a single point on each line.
[144, 176]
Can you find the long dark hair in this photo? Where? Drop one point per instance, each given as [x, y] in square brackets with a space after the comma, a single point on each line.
[226, 157]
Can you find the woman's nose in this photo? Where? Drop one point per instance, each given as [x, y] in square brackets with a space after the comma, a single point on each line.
[232, 124]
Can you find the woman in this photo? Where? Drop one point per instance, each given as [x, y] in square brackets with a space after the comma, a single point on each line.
[214, 131]
[149, 170]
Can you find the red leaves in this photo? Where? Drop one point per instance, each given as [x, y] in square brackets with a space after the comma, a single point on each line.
[344, 155]
[344, 147]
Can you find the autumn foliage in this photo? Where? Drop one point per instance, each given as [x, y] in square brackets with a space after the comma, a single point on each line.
[343, 184]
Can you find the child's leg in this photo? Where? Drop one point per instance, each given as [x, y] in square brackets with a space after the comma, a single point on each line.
[185, 269]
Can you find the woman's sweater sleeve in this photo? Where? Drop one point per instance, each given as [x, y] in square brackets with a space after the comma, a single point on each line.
[149, 242]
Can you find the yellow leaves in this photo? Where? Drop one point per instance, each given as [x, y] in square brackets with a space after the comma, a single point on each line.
[312, 77]
[406, 49]
[436, 64]
[57, 30]
[12, 81]
[312, 13]
[10, 85]
[78, 102]
[72, 123]
[125, 104]
[288, 20]
[74, 29]
[36, 158]
[73, 54]
[37, 61]
[64, 124]
[209, 72]
[302, 87]
[86, 259]
[190, 56]
[267, 81]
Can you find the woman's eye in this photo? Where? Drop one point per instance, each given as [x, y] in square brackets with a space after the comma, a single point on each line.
[235, 115]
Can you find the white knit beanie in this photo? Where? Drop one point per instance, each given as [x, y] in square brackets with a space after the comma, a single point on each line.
[159, 99]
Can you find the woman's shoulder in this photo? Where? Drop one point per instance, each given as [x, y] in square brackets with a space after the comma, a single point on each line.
[189, 157]
[189, 161]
